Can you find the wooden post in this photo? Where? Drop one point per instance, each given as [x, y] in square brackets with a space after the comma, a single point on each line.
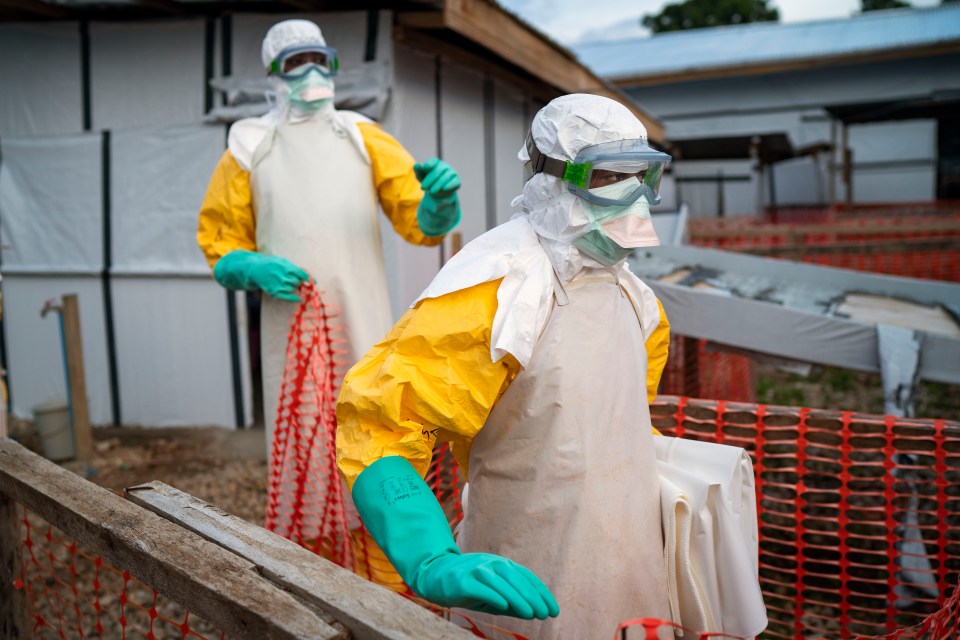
[13, 610]
[73, 344]
[456, 243]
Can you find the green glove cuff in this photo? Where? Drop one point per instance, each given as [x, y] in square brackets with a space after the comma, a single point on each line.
[232, 271]
[403, 516]
[437, 216]
[246, 270]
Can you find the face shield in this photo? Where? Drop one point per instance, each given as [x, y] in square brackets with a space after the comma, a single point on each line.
[613, 174]
[294, 63]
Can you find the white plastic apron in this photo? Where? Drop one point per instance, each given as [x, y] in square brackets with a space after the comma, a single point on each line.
[563, 477]
[315, 205]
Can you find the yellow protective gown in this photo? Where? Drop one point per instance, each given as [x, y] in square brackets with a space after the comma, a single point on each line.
[433, 380]
[308, 191]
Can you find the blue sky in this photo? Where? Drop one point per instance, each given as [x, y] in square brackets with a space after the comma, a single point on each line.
[572, 21]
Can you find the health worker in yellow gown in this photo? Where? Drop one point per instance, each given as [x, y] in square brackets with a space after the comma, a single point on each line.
[296, 194]
[534, 353]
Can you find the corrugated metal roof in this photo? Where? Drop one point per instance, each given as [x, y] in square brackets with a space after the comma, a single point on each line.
[765, 42]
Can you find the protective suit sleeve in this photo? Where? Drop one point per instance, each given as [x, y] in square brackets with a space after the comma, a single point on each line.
[431, 379]
[658, 345]
[226, 215]
[397, 186]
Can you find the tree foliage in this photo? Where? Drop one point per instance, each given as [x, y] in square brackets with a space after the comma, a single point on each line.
[880, 5]
[698, 14]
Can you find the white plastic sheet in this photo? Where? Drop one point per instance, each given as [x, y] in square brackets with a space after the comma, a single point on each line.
[40, 76]
[147, 74]
[158, 179]
[50, 204]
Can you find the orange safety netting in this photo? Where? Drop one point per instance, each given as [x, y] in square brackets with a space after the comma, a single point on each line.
[74, 594]
[698, 370]
[859, 514]
[893, 241]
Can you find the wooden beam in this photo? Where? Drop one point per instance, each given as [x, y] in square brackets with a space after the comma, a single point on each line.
[503, 34]
[672, 77]
[369, 611]
[215, 584]
[433, 45]
[73, 345]
[13, 605]
[166, 6]
[421, 19]
[35, 7]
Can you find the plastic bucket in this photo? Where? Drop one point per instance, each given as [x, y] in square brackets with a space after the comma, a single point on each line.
[52, 423]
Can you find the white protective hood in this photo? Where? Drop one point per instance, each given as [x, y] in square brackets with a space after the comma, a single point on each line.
[532, 251]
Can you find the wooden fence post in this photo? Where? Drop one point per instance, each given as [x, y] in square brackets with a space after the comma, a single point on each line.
[80, 413]
[13, 611]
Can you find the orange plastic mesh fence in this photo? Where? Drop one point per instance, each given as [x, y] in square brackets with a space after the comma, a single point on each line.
[695, 369]
[896, 243]
[859, 514]
[71, 593]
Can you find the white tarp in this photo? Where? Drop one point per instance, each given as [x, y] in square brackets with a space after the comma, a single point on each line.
[147, 74]
[40, 76]
[171, 334]
[158, 180]
[50, 205]
[34, 349]
[173, 352]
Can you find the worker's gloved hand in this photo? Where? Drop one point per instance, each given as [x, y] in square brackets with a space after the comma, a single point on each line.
[277, 277]
[405, 519]
[439, 210]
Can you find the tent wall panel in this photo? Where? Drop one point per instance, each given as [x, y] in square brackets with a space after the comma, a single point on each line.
[34, 352]
[411, 117]
[462, 142]
[42, 76]
[147, 74]
[510, 132]
[173, 352]
[51, 210]
[159, 178]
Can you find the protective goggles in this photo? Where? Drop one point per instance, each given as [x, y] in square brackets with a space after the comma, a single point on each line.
[604, 164]
[295, 62]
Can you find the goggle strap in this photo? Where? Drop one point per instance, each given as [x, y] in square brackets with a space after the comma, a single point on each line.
[565, 170]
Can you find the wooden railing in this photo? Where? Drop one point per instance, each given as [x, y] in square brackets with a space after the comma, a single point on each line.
[246, 581]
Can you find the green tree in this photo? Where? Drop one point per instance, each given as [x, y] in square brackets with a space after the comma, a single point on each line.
[880, 5]
[699, 14]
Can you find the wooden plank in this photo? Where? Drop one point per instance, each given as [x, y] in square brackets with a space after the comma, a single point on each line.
[369, 611]
[13, 609]
[73, 345]
[855, 246]
[213, 583]
[420, 19]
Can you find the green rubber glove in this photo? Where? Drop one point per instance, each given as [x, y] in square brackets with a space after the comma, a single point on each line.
[405, 519]
[439, 210]
[245, 270]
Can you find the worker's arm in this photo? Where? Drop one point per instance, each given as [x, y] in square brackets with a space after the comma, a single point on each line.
[398, 188]
[658, 346]
[226, 215]
[430, 379]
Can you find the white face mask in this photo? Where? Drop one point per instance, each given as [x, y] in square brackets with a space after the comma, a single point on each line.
[310, 92]
[629, 226]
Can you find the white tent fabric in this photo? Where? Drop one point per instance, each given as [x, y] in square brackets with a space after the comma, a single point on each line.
[173, 354]
[34, 352]
[171, 334]
[158, 180]
[147, 73]
[40, 75]
[50, 205]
